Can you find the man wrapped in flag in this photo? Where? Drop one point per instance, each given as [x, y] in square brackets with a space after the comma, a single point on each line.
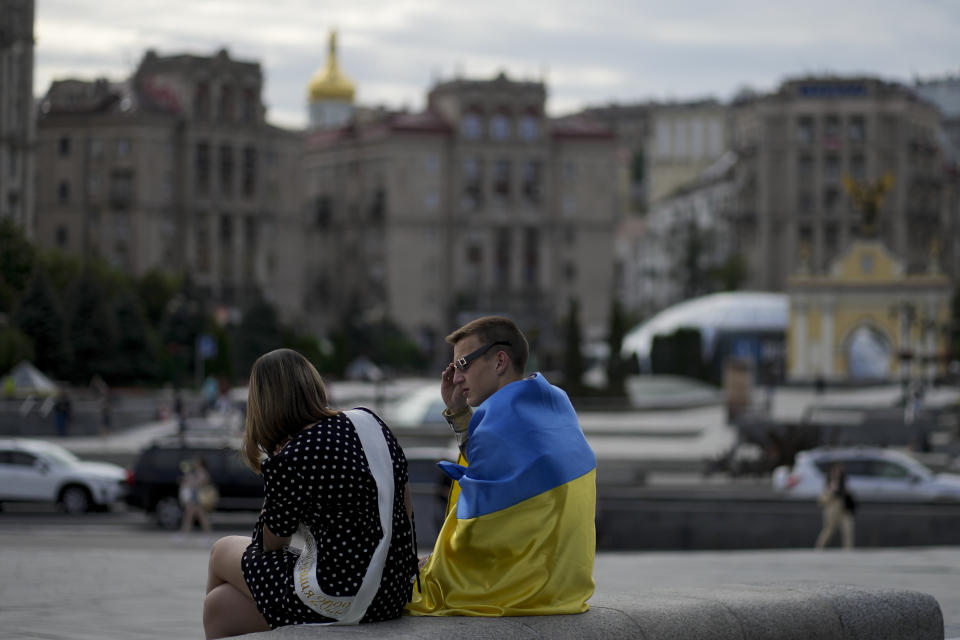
[519, 535]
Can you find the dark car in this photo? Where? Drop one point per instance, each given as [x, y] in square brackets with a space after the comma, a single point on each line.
[155, 483]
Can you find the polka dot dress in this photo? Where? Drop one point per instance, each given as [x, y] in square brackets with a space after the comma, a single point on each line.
[321, 478]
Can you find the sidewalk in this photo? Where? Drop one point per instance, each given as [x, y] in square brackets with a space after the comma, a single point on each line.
[114, 586]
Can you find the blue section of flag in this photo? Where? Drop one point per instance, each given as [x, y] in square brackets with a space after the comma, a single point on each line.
[524, 439]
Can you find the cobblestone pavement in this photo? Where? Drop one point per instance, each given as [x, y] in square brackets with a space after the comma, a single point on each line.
[149, 585]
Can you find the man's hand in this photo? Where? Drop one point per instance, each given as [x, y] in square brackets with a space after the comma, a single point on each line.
[451, 393]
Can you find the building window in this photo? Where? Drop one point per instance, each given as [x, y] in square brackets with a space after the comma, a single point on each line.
[249, 105]
[831, 167]
[857, 167]
[475, 264]
[226, 104]
[856, 129]
[805, 202]
[202, 254]
[62, 237]
[324, 212]
[123, 148]
[121, 188]
[96, 148]
[716, 138]
[696, 137]
[93, 185]
[663, 139]
[500, 126]
[472, 184]
[226, 170]
[202, 169]
[201, 101]
[63, 192]
[680, 139]
[226, 230]
[501, 179]
[804, 131]
[531, 181]
[471, 127]
[805, 167]
[531, 257]
[831, 198]
[431, 201]
[502, 264]
[831, 132]
[64, 146]
[378, 206]
[529, 127]
[249, 171]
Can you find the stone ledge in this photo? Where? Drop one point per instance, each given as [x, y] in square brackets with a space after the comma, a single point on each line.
[782, 610]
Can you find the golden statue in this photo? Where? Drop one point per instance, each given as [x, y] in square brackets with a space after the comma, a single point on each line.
[867, 198]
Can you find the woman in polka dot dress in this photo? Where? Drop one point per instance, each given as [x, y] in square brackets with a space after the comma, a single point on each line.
[337, 478]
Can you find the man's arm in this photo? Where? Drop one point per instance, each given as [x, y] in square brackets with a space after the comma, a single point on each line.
[458, 412]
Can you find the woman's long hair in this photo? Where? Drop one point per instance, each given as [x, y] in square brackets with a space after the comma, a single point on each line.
[286, 395]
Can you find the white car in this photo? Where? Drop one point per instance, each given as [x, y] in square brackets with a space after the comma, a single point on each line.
[872, 473]
[36, 470]
[420, 408]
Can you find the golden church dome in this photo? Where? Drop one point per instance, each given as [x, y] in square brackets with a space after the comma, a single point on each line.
[331, 83]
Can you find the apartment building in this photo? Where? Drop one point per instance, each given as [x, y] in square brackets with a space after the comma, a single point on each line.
[17, 126]
[175, 168]
[479, 204]
[797, 146]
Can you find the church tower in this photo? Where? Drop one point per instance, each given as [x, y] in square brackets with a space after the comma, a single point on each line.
[330, 93]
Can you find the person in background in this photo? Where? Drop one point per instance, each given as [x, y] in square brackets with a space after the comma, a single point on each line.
[196, 495]
[519, 536]
[838, 506]
[61, 413]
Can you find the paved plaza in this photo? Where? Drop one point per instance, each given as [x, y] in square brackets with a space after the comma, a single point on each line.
[124, 585]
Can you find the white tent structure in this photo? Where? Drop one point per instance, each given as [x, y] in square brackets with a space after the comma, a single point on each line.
[25, 379]
[735, 311]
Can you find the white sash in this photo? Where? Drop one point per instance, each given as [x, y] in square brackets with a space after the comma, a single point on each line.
[349, 610]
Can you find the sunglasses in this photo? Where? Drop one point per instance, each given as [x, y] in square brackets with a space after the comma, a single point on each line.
[462, 363]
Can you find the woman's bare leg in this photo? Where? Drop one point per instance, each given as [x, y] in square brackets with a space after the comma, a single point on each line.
[224, 567]
[228, 612]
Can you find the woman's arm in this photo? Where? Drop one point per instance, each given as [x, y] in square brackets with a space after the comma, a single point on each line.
[272, 542]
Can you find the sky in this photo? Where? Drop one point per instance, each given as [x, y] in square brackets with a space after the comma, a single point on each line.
[588, 52]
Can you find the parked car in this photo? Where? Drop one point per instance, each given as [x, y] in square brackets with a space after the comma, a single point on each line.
[37, 470]
[155, 480]
[872, 472]
[422, 408]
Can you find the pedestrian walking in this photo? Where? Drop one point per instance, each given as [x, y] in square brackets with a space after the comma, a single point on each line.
[198, 495]
[838, 507]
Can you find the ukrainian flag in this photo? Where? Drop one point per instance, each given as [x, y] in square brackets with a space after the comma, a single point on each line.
[521, 538]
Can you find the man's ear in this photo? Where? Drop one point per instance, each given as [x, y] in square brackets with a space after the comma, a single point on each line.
[503, 362]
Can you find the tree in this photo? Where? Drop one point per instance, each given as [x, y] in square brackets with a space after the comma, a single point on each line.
[259, 332]
[156, 289]
[691, 273]
[730, 274]
[573, 366]
[136, 348]
[39, 317]
[17, 259]
[15, 346]
[183, 320]
[91, 330]
[616, 366]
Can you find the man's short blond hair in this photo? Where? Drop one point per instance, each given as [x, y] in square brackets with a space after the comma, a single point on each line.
[491, 329]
